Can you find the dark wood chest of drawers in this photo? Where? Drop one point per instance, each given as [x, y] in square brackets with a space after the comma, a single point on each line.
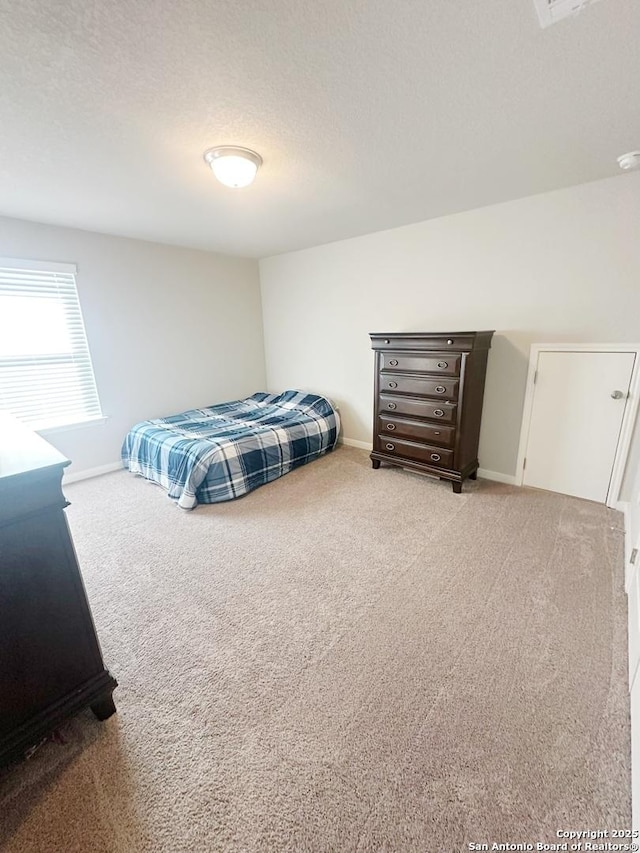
[50, 661]
[428, 401]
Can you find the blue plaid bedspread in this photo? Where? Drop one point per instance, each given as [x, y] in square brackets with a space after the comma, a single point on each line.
[224, 451]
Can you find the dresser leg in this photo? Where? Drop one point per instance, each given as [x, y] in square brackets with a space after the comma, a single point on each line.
[457, 487]
[375, 464]
[474, 476]
[103, 708]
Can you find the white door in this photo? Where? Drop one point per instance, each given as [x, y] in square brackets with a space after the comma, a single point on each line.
[635, 753]
[632, 578]
[632, 548]
[578, 404]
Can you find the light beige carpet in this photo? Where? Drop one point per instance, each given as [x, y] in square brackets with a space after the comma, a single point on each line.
[344, 660]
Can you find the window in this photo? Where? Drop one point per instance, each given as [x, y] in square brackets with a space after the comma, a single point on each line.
[46, 376]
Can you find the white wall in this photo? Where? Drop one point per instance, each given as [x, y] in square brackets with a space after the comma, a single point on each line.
[168, 328]
[563, 266]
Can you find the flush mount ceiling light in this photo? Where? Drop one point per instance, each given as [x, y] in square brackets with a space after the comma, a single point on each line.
[629, 161]
[552, 11]
[233, 166]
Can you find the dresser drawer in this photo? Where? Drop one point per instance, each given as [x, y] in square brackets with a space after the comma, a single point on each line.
[445, 364]
[418, 430]
[461, 342]
[419, 452]
[436, 411]
[444, 387]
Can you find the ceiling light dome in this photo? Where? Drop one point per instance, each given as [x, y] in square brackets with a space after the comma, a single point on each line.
[628, 161]
[233, 166]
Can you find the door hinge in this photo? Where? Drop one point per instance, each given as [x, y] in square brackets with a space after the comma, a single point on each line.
[535, 377]
[634, 554]
[524, 464]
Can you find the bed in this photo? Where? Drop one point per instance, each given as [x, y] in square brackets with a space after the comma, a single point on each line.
[224, 451]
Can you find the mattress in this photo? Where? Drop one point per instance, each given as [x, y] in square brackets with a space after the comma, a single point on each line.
[224, 451]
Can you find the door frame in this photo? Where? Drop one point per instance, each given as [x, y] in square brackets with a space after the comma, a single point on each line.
[628, 419]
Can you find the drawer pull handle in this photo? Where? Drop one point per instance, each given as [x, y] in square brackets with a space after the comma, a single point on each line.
[391, 426]
[435, 457]
[394, 362]
[387, 341]
[393, 385]
[450, 341]
[438, 413]
[440, 389]
[442, 364]
[436, 432]
[391, 406]
[390, 446]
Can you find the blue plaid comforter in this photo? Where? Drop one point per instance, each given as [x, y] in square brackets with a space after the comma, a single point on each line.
[224, 451]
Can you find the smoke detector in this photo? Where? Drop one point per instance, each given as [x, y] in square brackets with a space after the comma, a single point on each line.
[629, 161]
[552, 11]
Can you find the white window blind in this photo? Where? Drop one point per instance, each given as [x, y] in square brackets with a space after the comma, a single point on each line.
[46, 376]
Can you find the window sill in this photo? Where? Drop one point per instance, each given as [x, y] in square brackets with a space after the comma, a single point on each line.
[52, 430]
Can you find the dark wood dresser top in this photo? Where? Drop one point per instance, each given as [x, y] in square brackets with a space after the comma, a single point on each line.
[460, 341]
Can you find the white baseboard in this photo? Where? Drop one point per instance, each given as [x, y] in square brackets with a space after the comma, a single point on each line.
[351, 442]
[88, 473]
[624, 507]
[498, 476]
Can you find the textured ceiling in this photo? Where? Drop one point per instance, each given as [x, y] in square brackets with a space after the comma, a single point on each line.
[368, 114]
